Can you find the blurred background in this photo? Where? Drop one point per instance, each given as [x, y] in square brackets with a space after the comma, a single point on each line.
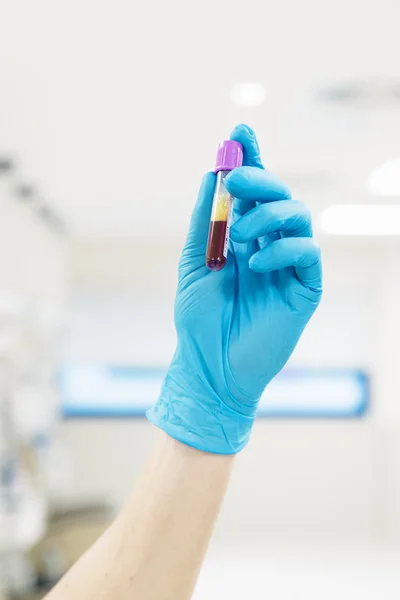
[110, 112]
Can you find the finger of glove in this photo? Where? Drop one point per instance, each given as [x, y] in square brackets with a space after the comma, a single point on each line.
[300, 253]
[196, 241]
[251, 184]
[251, 157]
[289, 218]
[251, 151]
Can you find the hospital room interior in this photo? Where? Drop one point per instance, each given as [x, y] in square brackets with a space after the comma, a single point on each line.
[110, 114]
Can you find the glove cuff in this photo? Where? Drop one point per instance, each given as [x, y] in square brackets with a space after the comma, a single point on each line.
[190, 411]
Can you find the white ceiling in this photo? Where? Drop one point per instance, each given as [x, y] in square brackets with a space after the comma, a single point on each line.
[113, 108]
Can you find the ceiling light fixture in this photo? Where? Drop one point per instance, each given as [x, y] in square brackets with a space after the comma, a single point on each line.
[385, 179]
[248, 93]
[361, 219]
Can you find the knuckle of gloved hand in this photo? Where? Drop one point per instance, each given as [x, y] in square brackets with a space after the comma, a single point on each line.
[314, 252]
[285, 193]
[309, 252]
[317, 251]
[306, 211]
[302, 211]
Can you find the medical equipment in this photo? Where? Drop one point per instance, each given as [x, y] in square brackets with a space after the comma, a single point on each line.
[229, 156]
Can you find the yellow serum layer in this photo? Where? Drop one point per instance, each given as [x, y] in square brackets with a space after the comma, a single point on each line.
[220, 209]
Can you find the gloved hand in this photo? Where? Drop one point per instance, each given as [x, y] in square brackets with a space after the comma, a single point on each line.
[237, 327]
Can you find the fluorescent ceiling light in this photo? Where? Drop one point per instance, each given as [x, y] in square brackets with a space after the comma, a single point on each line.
[361, 219]
[385, 179]
[248, 93]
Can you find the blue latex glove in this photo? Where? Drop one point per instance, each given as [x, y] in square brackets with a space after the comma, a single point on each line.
[237, 327]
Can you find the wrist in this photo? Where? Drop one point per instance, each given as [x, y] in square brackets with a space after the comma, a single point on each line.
[169, 447]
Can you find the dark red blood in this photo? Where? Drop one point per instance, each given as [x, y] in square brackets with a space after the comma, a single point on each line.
[215, 259]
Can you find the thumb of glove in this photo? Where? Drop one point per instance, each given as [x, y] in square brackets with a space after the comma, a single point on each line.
[193, 255]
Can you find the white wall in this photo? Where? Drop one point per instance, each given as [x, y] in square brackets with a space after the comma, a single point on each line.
[323, 477]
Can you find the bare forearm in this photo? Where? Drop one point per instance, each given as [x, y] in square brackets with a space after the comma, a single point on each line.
[155, 548]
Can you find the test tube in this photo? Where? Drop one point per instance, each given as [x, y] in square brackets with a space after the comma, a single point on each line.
[229, 156]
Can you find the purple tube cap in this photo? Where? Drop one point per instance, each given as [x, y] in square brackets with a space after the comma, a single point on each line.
[229, 156]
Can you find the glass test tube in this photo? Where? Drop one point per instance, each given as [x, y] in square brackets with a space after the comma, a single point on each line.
[229, 156]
